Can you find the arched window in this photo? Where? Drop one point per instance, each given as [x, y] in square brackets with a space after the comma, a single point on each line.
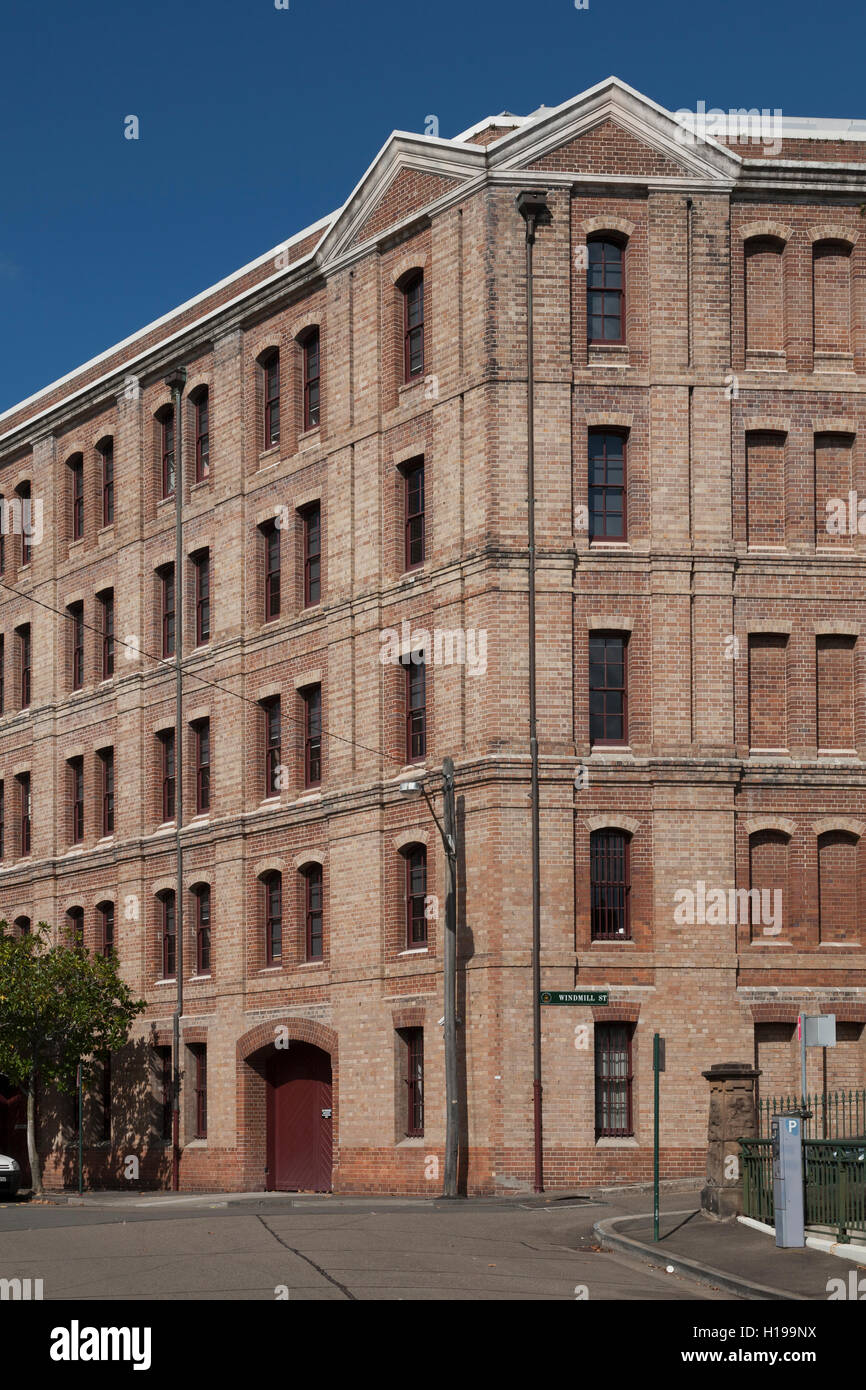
[312, 378]
[313, 907]
[74, 926]
[270, 369]
[272, 887]
[764, 303]
[605, 290]
[105, 449]
[75, 465]
[412, 289]
[610, 885]
[165, 450]
[201, 423]
[201, 896]
[415, 857]
[105, 923]
[168, 933]
[831, 296]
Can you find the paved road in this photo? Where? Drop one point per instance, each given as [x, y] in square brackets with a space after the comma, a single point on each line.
[149, 1247]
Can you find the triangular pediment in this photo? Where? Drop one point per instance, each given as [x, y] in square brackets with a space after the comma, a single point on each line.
[612, 131]
[410, 173]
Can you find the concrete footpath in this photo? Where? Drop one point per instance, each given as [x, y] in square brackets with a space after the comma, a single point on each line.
[727, 1255]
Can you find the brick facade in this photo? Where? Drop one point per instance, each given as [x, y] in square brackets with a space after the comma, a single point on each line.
[739, 390]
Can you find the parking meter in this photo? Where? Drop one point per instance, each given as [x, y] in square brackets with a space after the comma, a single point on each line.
[787, 1133]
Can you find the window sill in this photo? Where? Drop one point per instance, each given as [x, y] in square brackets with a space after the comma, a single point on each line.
[309, 437]
[629, 1143]
[311, 964]
[196, 1144]
[202, 483]
[165, 501]
[613, 941]
[74, 849]
[270, 456]
[270, 970]
[197, 979]
[172, 981]
[270, 803]
[165, 827]
[407, 386]
[416, 951]
[414, 1141]
[307, 797]
[106, 530]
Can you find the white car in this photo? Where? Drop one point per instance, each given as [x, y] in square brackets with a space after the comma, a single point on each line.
[10, 1175]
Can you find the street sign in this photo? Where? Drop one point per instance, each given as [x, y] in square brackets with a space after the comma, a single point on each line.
[820, 1030]
[573, 996]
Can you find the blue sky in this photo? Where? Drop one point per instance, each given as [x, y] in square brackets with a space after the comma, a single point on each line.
[256, 121]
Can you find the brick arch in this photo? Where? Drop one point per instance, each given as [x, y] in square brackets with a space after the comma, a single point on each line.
[753, 230]
[250, 1093]
[606, 222]
[614, 821]
[833, 231]
[300, 1030]
[847, 825]
[782, 825]
[304, 324]
[412, 260]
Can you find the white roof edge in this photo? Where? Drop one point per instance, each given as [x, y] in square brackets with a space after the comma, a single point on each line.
[505, 122]
[804, 127]
[321, 224]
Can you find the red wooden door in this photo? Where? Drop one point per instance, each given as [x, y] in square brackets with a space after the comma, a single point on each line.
[13, 1126]
[299, 1120]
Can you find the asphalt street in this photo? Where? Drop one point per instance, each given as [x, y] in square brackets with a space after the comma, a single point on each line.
[163, 1247]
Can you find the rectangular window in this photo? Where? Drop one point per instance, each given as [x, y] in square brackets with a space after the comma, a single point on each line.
[168, 470]
[106, 929]
[416, 897]
[76, 613]
[272, 571]
[413, 328]
[24, 807]
[607, 514]
[274, 919]
[201, 732]
[24, 663]
[76, 474]
[202, 597]
[414, 515]
[312, 736]
[609, 876]
[607, 688]
[312, 520]
[106, 613]
[311, 380]
[166, 740]
[273, 746]
[271, 372]
[605, 292]
[414, 1082]
[169, 936]
[76, 772]
[416, 708]
[202, 437]
[199, 1052]
[166, 580]
[613, 1081]
[313, 904]
[106, 766]
[4, 522]
[202, 930]
[107, 456]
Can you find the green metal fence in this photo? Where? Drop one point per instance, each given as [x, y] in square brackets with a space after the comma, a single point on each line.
[835, 1114]
[834, 1191]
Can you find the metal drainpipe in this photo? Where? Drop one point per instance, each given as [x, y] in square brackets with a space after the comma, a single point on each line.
[532, 205]
[176, 381]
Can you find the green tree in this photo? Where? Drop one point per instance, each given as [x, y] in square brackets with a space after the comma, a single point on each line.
[58, 1006]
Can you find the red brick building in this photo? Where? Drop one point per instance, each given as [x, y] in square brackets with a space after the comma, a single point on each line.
[354, 444]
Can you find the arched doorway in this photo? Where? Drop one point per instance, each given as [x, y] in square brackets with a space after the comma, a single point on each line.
[299, 1119]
